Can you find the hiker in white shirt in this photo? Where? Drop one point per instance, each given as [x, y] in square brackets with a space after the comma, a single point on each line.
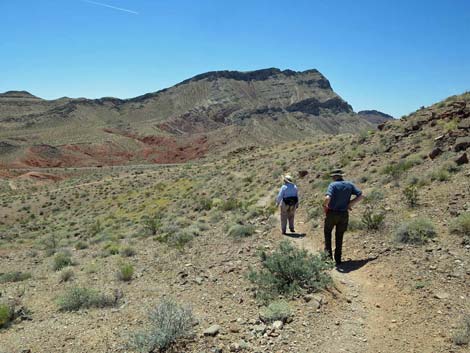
[288, 199]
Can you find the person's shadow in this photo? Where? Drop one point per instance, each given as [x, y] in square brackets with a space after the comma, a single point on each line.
[295, 235]
[353, 265]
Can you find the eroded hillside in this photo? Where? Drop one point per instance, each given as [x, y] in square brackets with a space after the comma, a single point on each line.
[209, 113]
[192, 232]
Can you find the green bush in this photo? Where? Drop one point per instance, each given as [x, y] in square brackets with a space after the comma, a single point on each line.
[395, 170]
[373, 216]
[125, 272]
[66, 275]
[77, 298]
[169, 322]
[461, 226]
[179, 239]
[440, 175]
[241, 230]
[411, 195]
[61, 260]
[152, 224]
[416, 231]
[230, 204]
[111, 249]
[288, 271]
[203, 204]
[355, 224]
[80, 245]
[14, 277]
[6, 314]
[462, 336]
[127, 251]
[276, 311]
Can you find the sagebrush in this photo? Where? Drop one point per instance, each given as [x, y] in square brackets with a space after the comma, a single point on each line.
[169, 322]
[288, 271]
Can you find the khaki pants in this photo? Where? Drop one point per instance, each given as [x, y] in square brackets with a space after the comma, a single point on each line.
[287, 214]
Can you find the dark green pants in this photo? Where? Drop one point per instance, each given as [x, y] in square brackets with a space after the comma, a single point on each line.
[340, 221]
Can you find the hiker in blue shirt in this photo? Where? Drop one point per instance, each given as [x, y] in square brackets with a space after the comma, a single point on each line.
[288, 199]
[336, 205]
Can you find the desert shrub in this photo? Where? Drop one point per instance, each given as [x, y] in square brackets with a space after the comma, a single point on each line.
[125, 272]
[355, 224]
[169, 322]
[411, 196]
[230, 204]
[66, 275]
[288, 271]
[111, 249]
[6, 314]
[152, 224]
[451, 167]
[462, 336]
[80, 245]
[127, 251]
[14, 277]
[51, 244]
[241, 230]
[77, 298]
[373, 216]
[461, 226]
[61, 260]
[179, 239]
[396, 169]
[416, 231]
[277, 310]
[203, 204]
[440, 174]
[95, 228]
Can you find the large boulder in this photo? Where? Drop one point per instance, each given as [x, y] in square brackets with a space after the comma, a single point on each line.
[462, 143]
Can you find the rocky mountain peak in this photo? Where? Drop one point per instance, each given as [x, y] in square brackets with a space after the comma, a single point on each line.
[18, 95]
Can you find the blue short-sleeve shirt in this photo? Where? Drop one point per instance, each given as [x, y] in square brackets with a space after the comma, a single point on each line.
[340, 192]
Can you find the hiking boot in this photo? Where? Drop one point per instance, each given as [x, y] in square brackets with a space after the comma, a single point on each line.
[292, 230]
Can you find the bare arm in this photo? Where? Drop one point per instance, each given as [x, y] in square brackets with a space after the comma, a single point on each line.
[326, 202]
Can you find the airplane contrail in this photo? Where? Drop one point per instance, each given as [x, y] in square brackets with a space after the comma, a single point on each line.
[111, 7]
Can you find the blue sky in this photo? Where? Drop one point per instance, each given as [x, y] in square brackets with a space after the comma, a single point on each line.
[394, 56]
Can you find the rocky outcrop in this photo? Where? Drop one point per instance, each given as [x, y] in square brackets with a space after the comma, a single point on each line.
[374, 116]
[314, 106]
[257, 75]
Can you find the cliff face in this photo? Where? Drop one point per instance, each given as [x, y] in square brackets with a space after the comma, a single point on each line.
[225, 109]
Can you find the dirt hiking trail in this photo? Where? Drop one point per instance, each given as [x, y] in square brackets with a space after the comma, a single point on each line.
[369, 313]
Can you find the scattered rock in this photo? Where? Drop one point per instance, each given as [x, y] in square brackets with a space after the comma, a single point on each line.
[462, 143]
[212, 331]
[260, 329]
[441, 295]
[278, 325]
[435, 152]
[463, 159]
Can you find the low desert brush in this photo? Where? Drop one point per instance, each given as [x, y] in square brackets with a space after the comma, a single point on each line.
[14, 277]
[288, 271]
[125, 272]
[6, 314]
[277, 310]
[461, 226]
[416, 231]
[77, 298]
[462, 336]
[169, 322]
[61, 260]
